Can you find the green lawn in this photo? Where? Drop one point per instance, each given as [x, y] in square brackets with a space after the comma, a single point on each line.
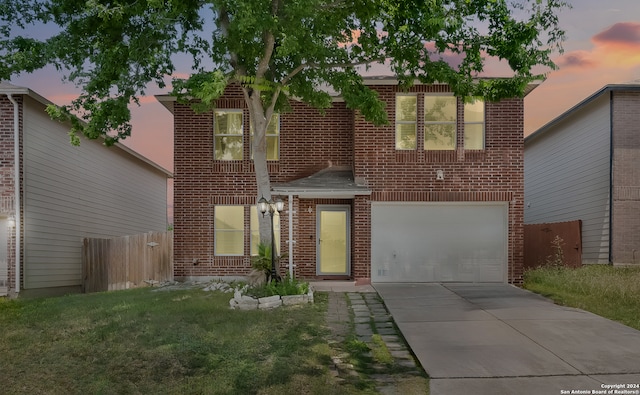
[178, 342]
[611, 292]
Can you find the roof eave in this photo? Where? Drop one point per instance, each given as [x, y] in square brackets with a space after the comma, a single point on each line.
[392, 80]
[167, 101]
[317, 193]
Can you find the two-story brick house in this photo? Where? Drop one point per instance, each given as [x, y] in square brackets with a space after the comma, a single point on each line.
[436, 195]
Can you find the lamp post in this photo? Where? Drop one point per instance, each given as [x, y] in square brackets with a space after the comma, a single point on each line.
[272, 206]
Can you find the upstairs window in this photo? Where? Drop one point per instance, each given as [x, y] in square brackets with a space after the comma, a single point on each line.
[255, 231]
[227, 134]
[228, 230]
[273, 137]
[440, 117]
[406, 126]
[474, 126]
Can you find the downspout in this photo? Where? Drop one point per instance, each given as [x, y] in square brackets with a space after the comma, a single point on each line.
[16, 184]
[611, 114]
[290, 241]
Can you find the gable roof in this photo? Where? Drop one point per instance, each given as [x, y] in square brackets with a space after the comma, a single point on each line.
[631, 86]
[7, 88]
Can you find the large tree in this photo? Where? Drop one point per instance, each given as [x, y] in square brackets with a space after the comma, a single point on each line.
[275, 49]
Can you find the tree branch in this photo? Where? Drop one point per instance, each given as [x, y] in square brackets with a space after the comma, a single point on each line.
[272, 105]
[269, 45]
[224, 23]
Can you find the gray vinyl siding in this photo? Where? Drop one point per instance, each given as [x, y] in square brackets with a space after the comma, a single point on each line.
[566, 173]
[76, 192]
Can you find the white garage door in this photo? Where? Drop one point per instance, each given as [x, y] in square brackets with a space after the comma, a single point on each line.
[438, 242]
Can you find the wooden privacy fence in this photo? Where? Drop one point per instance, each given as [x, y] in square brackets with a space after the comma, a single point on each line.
[126, 262]
[540, 243]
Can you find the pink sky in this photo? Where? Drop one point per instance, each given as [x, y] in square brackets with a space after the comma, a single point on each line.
[602, 47]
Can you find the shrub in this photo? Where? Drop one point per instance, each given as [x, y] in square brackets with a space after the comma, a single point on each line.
[556, 260]
[262, 261]
[288, 286]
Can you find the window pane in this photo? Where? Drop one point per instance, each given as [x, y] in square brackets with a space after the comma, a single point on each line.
[228, 122]
[255, 231]
[474, 112]
[272, 147]
[229, 218]
[228, 230]
[406, 108]
[228, 147]
[474, 136]
[227, 130]
[229, 243]
[405, 136]
[274, 124]
[440, 108]
[440, 136]
[273, 138]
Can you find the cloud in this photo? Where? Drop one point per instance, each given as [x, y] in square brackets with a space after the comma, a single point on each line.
[626, 34]
[579, 59]
[616, 47]
[613, 58]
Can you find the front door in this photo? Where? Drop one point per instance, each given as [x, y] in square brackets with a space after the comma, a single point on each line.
[332, 240]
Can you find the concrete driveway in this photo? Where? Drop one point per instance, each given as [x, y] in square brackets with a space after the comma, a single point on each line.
[500, 339]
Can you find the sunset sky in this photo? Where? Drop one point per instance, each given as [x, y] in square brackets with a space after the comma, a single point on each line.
[602, 47]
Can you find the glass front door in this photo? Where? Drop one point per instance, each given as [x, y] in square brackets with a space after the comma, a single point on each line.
[332, 237]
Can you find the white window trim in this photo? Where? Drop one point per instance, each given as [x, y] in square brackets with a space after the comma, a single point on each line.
[397, 122]
[454, 122]
[227, 110]
[215, 239]
[483, 123]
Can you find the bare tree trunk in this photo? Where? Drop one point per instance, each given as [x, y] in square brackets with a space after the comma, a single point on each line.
[260, 122]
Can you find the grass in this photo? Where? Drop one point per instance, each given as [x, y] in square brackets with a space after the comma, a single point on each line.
[611, 292]
[381, 353]
[377, 371]
[177, 342]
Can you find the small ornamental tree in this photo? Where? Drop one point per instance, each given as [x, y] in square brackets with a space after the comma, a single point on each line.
[275, 49]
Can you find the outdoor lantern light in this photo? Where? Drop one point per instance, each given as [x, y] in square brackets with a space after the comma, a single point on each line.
[272, 207]
[263, 205]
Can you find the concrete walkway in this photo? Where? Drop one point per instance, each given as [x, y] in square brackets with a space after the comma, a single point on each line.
[499, 339]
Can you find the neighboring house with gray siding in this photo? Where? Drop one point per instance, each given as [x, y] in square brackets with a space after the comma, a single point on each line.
[585, 165]
[66, 193]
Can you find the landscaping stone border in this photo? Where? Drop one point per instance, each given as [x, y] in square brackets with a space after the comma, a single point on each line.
[245, 302]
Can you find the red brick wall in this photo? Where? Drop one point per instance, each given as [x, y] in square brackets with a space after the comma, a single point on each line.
[493, 174]
[310, 142]
[625, 248]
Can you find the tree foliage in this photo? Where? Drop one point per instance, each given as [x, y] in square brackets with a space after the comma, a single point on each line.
[113, 49]
[276, 49]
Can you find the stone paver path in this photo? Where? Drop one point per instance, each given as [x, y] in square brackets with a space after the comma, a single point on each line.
[364, 315]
